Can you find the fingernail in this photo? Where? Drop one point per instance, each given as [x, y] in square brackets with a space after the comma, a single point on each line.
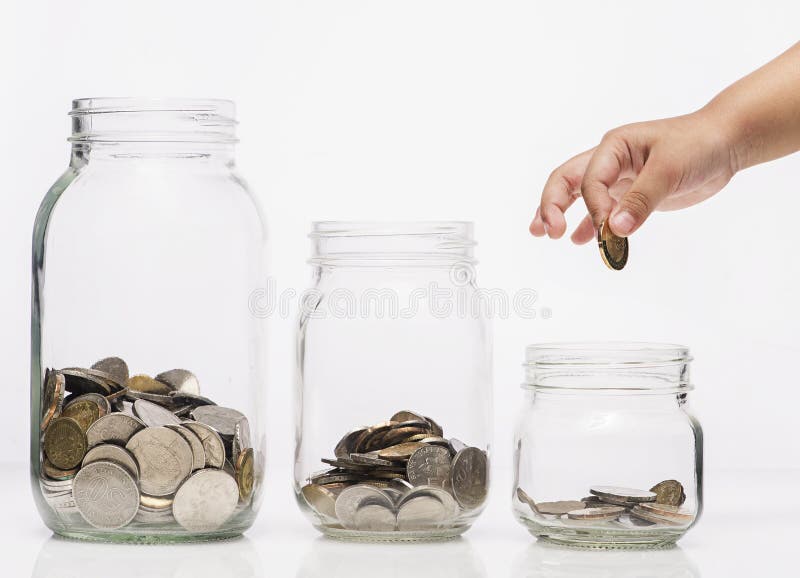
[623, 223]
[546, 229]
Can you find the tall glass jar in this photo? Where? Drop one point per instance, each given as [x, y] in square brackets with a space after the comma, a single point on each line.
[608, 453]
[394, 382]
[147, 366]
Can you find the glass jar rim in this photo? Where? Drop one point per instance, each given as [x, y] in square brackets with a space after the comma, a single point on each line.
[115, 104]
[390, 228]
[632, 367]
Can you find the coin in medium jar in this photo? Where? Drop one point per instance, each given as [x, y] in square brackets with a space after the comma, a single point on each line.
[241, 438]
[205, 501]
[87, 409]
[65, 443]
[623, 494]
[469, 477]
[180, 380]
[321, 499]
[349, 501]
[115, 367]
[154, 415]
[222, 419]
[429, 466]
[112, 453]
[213, 446]
[451, 507]
[79, 380]
[669, 492]
[165, 459]
[347, 445]
[420, 513]
[399, 452]
[675, 513]
[375, 518]
[106, 495]
[115, 428]
[613, 249]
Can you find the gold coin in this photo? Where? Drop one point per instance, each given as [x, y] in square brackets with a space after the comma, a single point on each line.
[245, 474]
[54, 473]
[147, 384]
[84, 411]
[53, 397]
[155, 502]
[65, 443]
[613, 249]
[400, 451]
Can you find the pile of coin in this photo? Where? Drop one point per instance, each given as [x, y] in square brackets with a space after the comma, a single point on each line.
[629, 507]
[120, 449]
[398, 475]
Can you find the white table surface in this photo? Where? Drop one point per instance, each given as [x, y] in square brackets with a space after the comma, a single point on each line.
[750, 528]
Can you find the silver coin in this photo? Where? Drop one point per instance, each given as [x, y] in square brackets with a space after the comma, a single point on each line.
[205, 501]
[429, 466]
[351, 499]
[198, 453]
[400, 484]
[559, 508]
[115, 428]
[222, 419]
[370, 460]
[469, 476]
[112, 453]
[213, 446]
[165, 459]
[626, 494]
[106, 495]
[422, 512]
[241, 438]
[180, 380]
[115, 367]
[375, 518]
[457, 445]
[596, 514]
[451, 507]
[161, 399]
[154, 415]
[654, 518]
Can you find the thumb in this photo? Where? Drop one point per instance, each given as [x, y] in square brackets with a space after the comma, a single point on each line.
[651, 187]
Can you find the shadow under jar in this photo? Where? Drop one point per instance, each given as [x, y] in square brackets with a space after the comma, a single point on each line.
[394, 387]
[608, 454]
[147, 369]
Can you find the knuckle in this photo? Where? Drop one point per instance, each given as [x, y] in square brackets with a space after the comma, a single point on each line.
[637, 203]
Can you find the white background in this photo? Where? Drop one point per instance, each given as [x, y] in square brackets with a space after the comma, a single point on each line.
[448, 110]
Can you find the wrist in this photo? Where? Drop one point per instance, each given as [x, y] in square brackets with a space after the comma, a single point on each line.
[731, 127]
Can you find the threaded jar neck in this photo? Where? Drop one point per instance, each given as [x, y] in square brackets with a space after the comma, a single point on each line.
[153, 120]
[624, 367]
[411, 243]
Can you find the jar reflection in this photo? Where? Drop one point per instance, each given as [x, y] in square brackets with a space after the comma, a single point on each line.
[61, 558]
[452, 559]
[542, 560]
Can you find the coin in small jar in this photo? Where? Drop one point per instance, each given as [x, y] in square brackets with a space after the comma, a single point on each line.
[613, 249]
[669, 492]
[596, 514]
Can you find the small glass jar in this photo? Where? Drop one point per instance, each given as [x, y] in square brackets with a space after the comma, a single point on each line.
[607, 453]
[148, 369]
[394, 383]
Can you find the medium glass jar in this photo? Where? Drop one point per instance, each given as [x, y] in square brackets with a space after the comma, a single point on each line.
[147, 369]
[607, 452]
[394, 382]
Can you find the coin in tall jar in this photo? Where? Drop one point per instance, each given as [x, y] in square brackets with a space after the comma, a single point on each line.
[205, 501]
[469, 477]
[65, 443]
